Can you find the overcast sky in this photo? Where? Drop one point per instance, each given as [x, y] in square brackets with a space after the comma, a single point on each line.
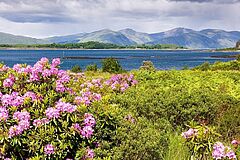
[42, 18]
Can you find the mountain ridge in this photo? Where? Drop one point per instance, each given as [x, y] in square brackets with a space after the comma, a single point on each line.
[206, 38]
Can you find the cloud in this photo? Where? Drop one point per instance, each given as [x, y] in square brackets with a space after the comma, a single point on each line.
[203, 1]
[41, 18]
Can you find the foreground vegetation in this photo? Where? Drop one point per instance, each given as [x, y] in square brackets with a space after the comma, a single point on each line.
[144, 114]
[90, 45]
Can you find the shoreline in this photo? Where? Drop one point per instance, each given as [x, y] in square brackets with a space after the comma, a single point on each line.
[138, 49]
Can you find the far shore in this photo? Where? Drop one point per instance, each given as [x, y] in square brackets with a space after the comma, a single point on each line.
[138, 49]
[2, 48]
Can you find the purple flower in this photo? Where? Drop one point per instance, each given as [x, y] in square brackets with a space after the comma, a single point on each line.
[97, 97]
[7, 99]
[3, 114]
[60, 87]
[46, 73]
[76, 127]
[89, 154]
[87, 131]
[24, 124]
[14, 131]
[56, 62]
[21, 116]
[37, 122]
[8, 82]
[34, 77]
[190, 133]
[89, 120]
[52, 113]
[45, 121]
[230, 154]
[65, 107]
[49, 149]
[235, 142]
[30, 95]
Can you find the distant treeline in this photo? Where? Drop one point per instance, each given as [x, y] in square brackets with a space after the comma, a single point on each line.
[227, 49]
[91, 45]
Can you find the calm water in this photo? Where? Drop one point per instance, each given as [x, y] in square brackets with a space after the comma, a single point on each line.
[129, 59]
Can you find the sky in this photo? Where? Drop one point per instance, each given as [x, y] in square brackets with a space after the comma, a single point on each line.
[43, 18]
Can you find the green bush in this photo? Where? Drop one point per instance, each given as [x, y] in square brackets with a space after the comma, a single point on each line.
[76, 69]
[92, 67]
[111, 65]
[183, 96]
[147, 65]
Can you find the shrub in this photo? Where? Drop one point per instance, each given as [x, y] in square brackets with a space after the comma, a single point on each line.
[147, 65]
[183, 96]
[111, 65]
[76, 69]
[46, 114]
[92, 67]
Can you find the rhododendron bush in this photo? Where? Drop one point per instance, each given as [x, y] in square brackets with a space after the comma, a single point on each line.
[48, 113]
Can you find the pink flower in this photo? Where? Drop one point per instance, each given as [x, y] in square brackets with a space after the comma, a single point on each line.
[3, 114]
[52, 113]
[31, 95]
[60, 87]
[7, 99]
[89, 120]
[235, 142]
[65, 107]
[49, 149]
[8, 83]
[37, 122]
[76, 127]
[21, 116]
[46, 73]
[56, 62]
[87, 131]
[14, 131]
[89, 154]
[190, 133]
[24, 124]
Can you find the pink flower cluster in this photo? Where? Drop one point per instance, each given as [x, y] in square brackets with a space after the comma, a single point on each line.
[3, 114]
[4, 68]
[87, 130]
[121, 82]
[14, 99]
[89, 154]
[23, 119]
[63, 78]
[42, 70]
[40, 122]
[54, 112]
[87, 98]
[8, 83]
[96, 83]
[49, 149]
[220, 151]
[190, 133]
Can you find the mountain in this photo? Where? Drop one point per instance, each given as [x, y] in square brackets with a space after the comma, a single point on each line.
[223, 38]
[207, 38]
[137, 37]
[185, 37]
[6, 38]
[107, 36]
[65, 39]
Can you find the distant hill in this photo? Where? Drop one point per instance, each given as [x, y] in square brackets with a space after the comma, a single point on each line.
[13, 39]
[208, 38]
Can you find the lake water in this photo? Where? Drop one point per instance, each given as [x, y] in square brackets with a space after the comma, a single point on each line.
[129, 59]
